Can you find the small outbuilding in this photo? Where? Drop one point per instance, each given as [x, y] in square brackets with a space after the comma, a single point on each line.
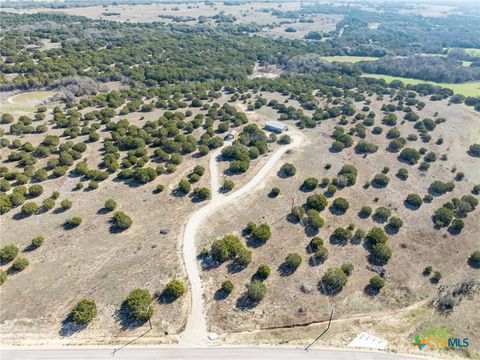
[276, 126]
[232, 135]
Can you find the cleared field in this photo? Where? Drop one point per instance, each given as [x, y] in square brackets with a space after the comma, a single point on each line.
[397, 313]
[352, 59]
[25, 102]
[467, 89]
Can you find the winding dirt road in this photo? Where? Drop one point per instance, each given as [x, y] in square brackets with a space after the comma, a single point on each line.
[195, 333]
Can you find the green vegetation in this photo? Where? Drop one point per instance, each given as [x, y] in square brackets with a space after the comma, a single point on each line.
[263, 272]
[376, 283]
[414, 200]
[20, 263]
[121, 221]
[175, 288]
[8, 253]
[139, 305]
[84, 311]
[3, 276]
[466, 89]
[256, 291]
[288, 170]
[340, 205]
[73, 222]
[334, 280]
[474, 259]
[293, 261]
[227, 287]
[110, 204]
[37, 241]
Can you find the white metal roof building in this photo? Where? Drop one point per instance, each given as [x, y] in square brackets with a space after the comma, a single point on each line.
[276, 126]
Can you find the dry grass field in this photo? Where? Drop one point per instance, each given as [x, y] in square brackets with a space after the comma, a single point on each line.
[254, 12]
[92, 261]
[415, 246]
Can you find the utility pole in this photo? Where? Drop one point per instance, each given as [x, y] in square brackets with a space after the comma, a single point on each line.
[324, 331]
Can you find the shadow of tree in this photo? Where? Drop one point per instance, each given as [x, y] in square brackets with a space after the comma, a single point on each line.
[69, 327]
[245, 303]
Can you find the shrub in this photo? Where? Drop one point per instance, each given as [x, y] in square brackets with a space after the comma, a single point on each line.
[380, 180]
[35, 190]
[256, 291]
[474, 259]
[337, 146]
[340, 204]
[285, 139]
[376, 236]
[139, 304]
[66, 204]
[227, 287]
[456, 226]
[317, 202]
[37, 241]
[365, 147]
[73, 222]
[382, 214]
[359, 235]
[442, 217]
[8, 253]
[20, 263]
[121, 220]
[202, 193]
[321, 254]
[184, 186]
[395, 222]
[84, 311]
[310, 184]
[347, 268]
[228, 185]
[262, 233]
[293, 261]
[334, 279]
[228, 248]
[440, 188]
[3, 276]
[244, 257]
[341, 234]
[365, 212]
[274, 192]
[314, 219]
[263, 271]
[471, 200]
[437, 275]
[174, 289]
[93, 185]
[474, 150]
[428, 198]
[409, 155]
[381, 253]
[331, 189]
[376, 283]
[48, 203]
[428, 270]
[402, 174]
[288, 169]
[297, 213]
[315, 244]
[29, 208]
[414, 200]
[110, 204]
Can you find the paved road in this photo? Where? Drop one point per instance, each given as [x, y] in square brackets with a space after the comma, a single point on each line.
[195, 333]
[200, 354]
